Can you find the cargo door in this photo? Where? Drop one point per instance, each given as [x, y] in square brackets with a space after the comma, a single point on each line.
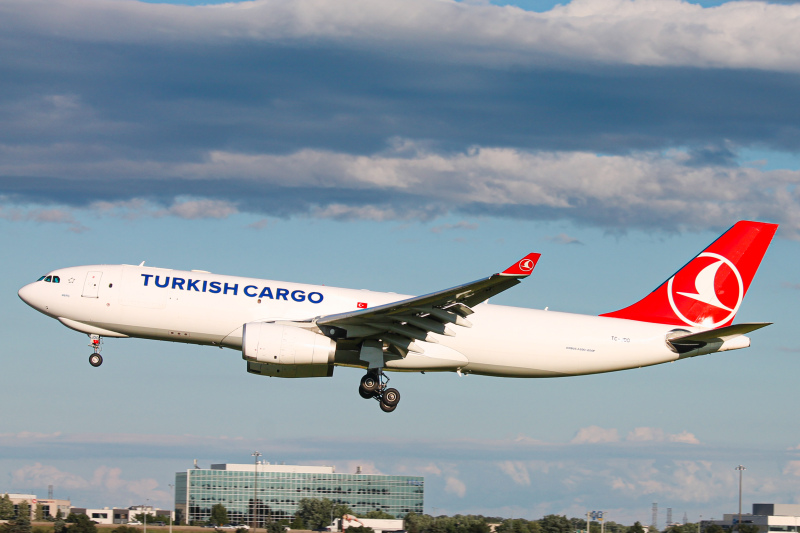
[91, 287]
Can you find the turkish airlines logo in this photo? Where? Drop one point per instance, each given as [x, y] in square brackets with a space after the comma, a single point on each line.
[526, 265]
[707, 292]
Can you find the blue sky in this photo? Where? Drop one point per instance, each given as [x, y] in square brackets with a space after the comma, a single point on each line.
[402, 146]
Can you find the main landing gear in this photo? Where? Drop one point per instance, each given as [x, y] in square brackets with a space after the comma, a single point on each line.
[373, 385]
[95, 359]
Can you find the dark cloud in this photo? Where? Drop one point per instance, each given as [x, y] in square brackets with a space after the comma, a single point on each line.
[179, 101]
[270, 108]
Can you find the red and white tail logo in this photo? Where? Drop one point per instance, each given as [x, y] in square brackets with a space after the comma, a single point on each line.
[709, 290]
[523, 267]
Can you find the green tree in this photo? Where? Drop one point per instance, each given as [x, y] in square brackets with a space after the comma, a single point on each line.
[23, 509]
[517, 525]
[59, 526]
[144, 517]
[219, 514]
[613, 527]
[341, 509]
[297, 523]
[21, 524]
[637, 527]
[274, 527]
[378, 513]
[315, 513]
[747, 528]
[714, 528]
[82, 524]
[685, 528]
[6, 508]
[555, 524]
[39, 512]
[418, 523]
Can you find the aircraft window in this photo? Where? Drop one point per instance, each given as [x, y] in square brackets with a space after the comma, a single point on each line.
[56, 279]
[40, 279]
[48, 279]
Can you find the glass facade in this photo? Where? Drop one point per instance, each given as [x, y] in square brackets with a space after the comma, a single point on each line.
[274, 492]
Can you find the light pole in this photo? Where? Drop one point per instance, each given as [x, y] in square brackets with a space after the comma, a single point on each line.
[172, 513]
[144, 512]
[255, 455]
[741, 469]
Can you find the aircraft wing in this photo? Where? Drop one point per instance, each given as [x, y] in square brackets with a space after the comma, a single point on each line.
[414, 319]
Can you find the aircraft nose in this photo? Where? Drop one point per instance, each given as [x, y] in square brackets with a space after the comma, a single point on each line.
[28, 294]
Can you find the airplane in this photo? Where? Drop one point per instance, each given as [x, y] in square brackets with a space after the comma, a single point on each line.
[294, 330]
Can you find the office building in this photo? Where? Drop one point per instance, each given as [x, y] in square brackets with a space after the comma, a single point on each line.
[258, 492]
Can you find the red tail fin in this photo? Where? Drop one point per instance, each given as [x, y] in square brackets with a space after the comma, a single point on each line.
[709, 289]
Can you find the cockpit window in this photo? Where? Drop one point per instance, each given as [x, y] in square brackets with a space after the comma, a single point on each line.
[48, 279]
[56, 279]
[40, 279]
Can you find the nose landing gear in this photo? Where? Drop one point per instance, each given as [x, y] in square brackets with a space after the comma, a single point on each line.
[374, 385]
[95, 359]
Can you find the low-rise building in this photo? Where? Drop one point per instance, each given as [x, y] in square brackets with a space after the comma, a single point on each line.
[50, 507]
[768, 517]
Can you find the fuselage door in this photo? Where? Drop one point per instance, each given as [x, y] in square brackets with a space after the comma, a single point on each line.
[91, 287]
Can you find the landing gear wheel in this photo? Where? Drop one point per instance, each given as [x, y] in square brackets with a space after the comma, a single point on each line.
[386, 408]
[365, 394]
[95, 359]
[370, 383]
[391, 397]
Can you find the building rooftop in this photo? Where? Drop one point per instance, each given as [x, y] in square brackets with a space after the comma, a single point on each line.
[266, 467]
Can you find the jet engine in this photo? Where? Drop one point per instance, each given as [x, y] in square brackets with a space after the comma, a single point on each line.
[278, 344]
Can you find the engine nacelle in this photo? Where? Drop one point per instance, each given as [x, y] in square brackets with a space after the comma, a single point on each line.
[278, 344]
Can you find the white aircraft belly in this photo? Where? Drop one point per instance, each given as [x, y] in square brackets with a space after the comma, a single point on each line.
[509, 341]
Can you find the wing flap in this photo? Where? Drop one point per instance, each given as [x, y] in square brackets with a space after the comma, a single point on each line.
[403, 322]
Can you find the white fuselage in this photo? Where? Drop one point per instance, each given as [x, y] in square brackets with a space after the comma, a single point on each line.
[204, 308]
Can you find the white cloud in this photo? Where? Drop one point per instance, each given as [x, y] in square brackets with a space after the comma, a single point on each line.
[462, 225]
[792, 468]
[196, 209]
[644, 434]
[51, 216]
[641, 190]
[108, 479]
[563, 238]
[755, 35]
[455, 486]
[595, 435]
[377, 213]
[40, 475]
[517, 471]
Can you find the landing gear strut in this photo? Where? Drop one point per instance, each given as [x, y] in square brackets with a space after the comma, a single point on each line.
[95, 359]
[374, 385]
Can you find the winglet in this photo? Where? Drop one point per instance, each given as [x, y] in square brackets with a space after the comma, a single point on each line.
[523, 267]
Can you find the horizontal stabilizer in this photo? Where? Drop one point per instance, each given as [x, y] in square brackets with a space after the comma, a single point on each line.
[719, 334]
